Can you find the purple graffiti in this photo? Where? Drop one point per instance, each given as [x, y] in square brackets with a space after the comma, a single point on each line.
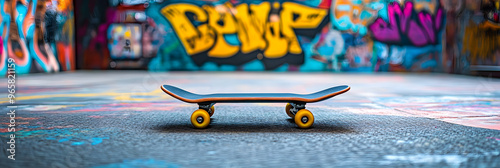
[419, 30]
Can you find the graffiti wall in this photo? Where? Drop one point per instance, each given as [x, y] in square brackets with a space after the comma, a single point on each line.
[37, 34]
[294, 35]
[472, 37]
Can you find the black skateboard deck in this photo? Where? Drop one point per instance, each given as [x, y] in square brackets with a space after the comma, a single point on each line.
[295, 107]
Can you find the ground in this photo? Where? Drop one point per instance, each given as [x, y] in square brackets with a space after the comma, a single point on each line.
[123, 119]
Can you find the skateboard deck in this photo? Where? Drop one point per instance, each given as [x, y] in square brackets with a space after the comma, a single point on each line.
[189, 97]
[295, 107]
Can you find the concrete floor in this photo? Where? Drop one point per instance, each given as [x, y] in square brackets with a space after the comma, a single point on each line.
[123, 119]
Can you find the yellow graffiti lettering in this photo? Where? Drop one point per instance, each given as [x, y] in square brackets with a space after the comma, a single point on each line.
[252, 26]
[194, 39]
[222, 23]
[307, 17]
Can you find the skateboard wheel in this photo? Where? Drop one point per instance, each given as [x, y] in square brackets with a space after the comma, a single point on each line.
[304, 118]
[212, 110]
[200, 118]
[287, 108]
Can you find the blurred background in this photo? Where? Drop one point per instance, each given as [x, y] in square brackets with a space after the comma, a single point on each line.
[447, 36]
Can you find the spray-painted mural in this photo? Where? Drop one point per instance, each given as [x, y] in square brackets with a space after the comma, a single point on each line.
[472, 37]
[37, 34]
[318, 35]
[402, 30]
[482, 39]
[377, 35]
[125, 41]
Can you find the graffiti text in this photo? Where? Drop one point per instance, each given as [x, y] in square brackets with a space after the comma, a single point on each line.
[247, 30]
[404, 28]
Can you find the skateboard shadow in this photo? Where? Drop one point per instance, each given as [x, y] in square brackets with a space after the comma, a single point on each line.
[215, 127]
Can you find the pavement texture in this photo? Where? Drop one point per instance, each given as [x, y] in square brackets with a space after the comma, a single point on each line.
[123, 119]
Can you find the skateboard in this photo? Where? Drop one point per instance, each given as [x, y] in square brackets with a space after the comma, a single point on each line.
[295, 107]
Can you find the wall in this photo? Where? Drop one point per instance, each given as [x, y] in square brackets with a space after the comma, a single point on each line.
[457, 36]
[37, 34]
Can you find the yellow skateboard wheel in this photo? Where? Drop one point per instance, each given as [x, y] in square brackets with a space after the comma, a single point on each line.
[200, 118]
[212, 110]
[287, 108]
[304, 118]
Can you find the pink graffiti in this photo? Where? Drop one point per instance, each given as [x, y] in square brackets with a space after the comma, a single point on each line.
[421, 30]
